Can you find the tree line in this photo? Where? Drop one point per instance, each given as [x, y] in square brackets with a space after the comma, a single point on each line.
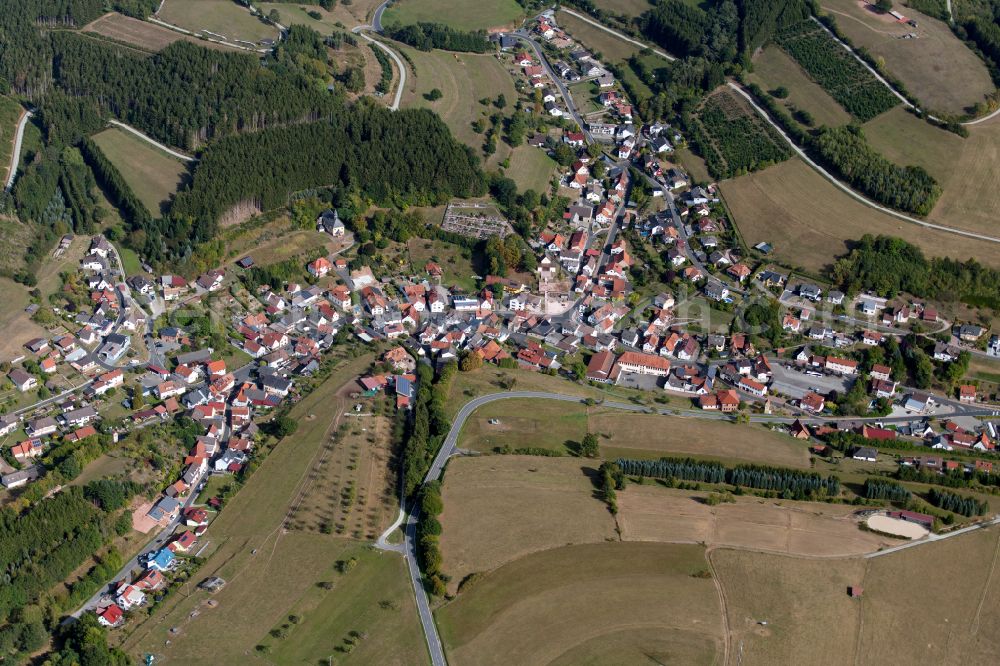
[430, 424]
[426, 36]
[966, 506]
[787, 481]
[885, 490]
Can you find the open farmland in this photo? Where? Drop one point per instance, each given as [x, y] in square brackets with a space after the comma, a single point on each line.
[463, 79]
[810, 616]
[458, 14]
[905, 139]
[145, 35]
[500, 508]
[273, 572]
[734, 138]
[773, 68]
[576, 604]
[558, 426]
[813, 529]
[971, 198]
[153, 175]
[222, 18]
[809, 221]
[934, 65]
[828, 64]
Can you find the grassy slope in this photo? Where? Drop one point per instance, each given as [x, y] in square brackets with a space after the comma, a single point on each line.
[221, 17]
[572, 604]
[152, 174]
[773, 68]
[459, 14]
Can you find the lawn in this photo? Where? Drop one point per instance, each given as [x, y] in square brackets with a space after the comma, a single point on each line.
[694, 165]
[812, 620]
[809, 221]
[153, 175]
[773, 68]
[588, 604]
[458, 14]
[222, 18]
[273, 571]
[531, 168]
[10, 113]
[936, 66]
[145, 35]
[463, 79]
[130, 260]
[455, 261]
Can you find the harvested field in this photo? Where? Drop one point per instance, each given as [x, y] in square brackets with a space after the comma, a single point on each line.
[458, 14]
[143, 34]
[935, 66]
[498, 509]
[773, 68]
[654, 513]
[153, 175]
[809, 221]
[576, 604]
[971, 198]
[950, 618]
[903, 528]
[810, 619]
[218, 18]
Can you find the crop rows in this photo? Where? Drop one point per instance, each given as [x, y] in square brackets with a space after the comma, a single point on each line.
[836, 71]
[734, 140]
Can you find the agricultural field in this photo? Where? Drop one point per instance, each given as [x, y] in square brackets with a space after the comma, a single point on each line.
[836, 71]
[458, 14]
[500, 508]
[905, 139]
[153, 175]
[10, 113]
[810, 616]
[531, 168]
[589, 604]
[734, 138]
[810, 529]
[773, 68]
[558, 426]
[934, 65]
[145, 35]
[274, 572]
[463, 79]
[809, 221]
[222, 18]
[971, 198]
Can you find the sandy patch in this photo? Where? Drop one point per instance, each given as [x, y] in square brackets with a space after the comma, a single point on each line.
[903, 528]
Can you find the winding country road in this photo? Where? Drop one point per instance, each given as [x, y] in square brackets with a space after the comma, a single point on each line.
[15, 157]
[152, 141]
[399, 63]
[871, 204]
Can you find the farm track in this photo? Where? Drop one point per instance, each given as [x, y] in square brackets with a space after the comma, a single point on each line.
[153, 142]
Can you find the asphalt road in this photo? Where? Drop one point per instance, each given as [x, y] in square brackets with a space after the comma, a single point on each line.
[15, 157]
[522, 36]
[377, 17]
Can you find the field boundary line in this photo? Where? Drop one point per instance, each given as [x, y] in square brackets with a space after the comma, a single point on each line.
[619, 35]
[868, 202]
[151, 141]
[721, 591]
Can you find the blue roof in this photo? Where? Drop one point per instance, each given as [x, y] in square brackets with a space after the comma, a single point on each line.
[162, 559]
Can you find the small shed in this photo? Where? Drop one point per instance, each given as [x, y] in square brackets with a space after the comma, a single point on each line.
[855, 591]
[245, 262]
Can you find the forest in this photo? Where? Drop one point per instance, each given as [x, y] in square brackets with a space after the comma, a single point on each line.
[845, 150]
[885, 490]
[966, 506]
[733, 139]
[836, 70]
[891, 266]
[427, 36]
